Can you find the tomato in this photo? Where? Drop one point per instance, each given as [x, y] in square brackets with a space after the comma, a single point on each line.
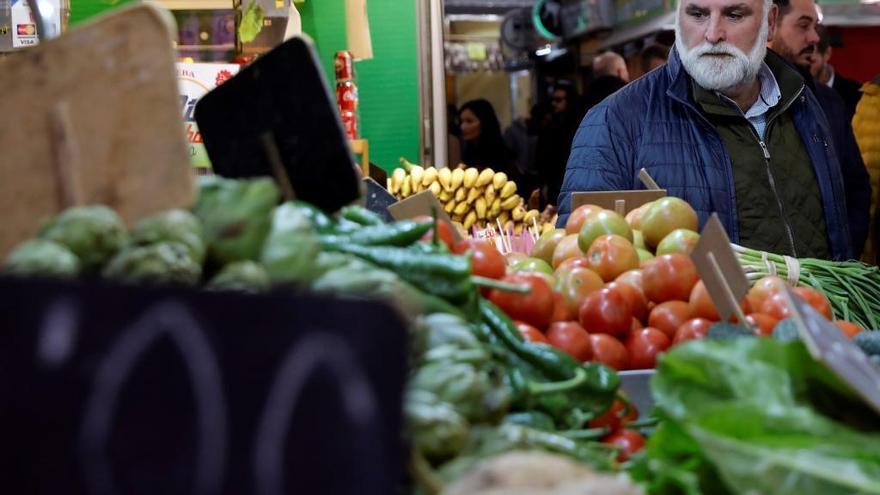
[762, 324]
[606, 311]
[546, 244]
[664, 216]
[634, 217]
[629, 441]
[776, 306]
[611, 255]
[560, 309]
[644, 256]
[639, 240]
[608, 351]
[636, 325]
[681, 241]
[815, 299]
[531, 333]
[605, 222]
[445, 232]
[571, 338]
[701, 305]
[617, 417]
[567, 265]
[534, 308]
[576, 219]
[576, 285]
[632, 277]
[486, 260]
[565, 249]
[530, 264]
[668, 316]
[848, 328]
[644, 345]
[634, 297]
[694, 329]
[670, 277]
[763, 289]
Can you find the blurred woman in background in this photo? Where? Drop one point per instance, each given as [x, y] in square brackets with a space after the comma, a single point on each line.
[482, 143]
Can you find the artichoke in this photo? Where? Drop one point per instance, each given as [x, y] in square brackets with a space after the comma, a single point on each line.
[235, 215]
[434, 427]
[292, 246]
[39, 258]
[172, 226]
[243, 276]
[160, 263]
[93, 233]
[477, 391]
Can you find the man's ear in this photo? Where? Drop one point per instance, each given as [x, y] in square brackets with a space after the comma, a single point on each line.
[772, 19]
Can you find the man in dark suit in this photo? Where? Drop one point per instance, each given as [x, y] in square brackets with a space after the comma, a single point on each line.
[824, 73]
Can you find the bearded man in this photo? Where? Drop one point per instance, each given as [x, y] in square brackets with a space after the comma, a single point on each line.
[730, 128]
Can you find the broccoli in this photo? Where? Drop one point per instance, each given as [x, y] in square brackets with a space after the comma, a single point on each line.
[93, 233]
[244, 276]
[786, 331]
[172, 226]
[160, 263]
[869, 342]
[39, 258]
[728, 331]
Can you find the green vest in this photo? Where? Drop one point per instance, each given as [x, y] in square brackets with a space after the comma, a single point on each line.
[778, 201]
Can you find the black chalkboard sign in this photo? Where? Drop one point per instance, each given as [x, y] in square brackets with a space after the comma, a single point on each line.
[123, 390]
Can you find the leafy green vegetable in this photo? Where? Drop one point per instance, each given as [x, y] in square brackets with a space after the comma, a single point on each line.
[251, 22]
[760, 412]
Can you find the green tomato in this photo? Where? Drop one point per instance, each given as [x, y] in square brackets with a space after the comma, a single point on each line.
[680, 241]
[532, 265]
[644, 255]
[602, 223]
[639, 240]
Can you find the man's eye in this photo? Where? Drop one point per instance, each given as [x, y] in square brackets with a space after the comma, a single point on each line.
[733, 16]
[698, 15]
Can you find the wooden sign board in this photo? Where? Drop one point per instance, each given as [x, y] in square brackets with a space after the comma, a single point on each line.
[720, 270]
[620, 201]
[423, 203]
[93, 117]
[828, 345]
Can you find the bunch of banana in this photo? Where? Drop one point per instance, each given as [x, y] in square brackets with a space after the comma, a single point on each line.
[470, 196]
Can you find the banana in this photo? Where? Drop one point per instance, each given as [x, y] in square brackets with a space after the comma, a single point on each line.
[456, 218]
[470, 219]
[435, 188]
[460, 193]
[531, 215]
[416, 173]
[460, 208]
[511, 203]
[406, 187]
[430, 176]
[508, 189]
[481, 208]
[445, 177]
[504, 216]
[457, 178]
[485, 177]
[444, 195]
[388, 184]
[450, 206]
[473, 194]
[499, 180]
[470, 177]
[397, 178]
[417, 186]
[518, 213]
[490, 193]
[495, 208]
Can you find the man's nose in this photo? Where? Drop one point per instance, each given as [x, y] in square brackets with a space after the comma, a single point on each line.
[715, 31]
[812, 36]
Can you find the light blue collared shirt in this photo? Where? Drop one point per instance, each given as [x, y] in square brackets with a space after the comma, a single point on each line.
[768, 98]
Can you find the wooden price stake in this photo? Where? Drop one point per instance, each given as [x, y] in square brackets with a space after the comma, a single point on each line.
[621, 202]
[423, 203]
[828, 345]
[720, 271]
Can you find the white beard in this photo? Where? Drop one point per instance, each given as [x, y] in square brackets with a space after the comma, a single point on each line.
[722, 73]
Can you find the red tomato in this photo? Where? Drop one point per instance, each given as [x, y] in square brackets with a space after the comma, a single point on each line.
[762, 324]
[576, 285]
[608, 351]
[634, 278]
[637, 302]
[815, 299]
[566, 248]
[636, 325]
[668, 316]
[568, 264]
[644, 345]
[487, 261]
[576, 219]
[634, 217]
[629, 441]
[612, 255]
[848, 328]
[560, 309]
[776, 306]
[670, 277]
[694, 329]
[701, 304]
[531, 333]
[606, 311]
[534, 308]
[572, 339]
[615, 418]
[764, 289]
[444, 232]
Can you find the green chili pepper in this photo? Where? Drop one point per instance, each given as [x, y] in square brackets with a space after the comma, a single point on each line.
[321, 222]
[361, 215]
[532, 419]
[403, 260]
[400, 234]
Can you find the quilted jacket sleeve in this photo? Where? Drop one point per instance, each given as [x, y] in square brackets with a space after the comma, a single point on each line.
[601, 156]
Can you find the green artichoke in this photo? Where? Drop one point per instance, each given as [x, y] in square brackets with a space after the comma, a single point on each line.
[162, 263]
[434, 427]
[292, 246]
[93, 233]
[243, 276]
[476, 390]
[39, 258]
[172, 226]
[235, 215]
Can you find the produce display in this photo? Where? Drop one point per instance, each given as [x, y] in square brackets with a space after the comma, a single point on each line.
[472, 197]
